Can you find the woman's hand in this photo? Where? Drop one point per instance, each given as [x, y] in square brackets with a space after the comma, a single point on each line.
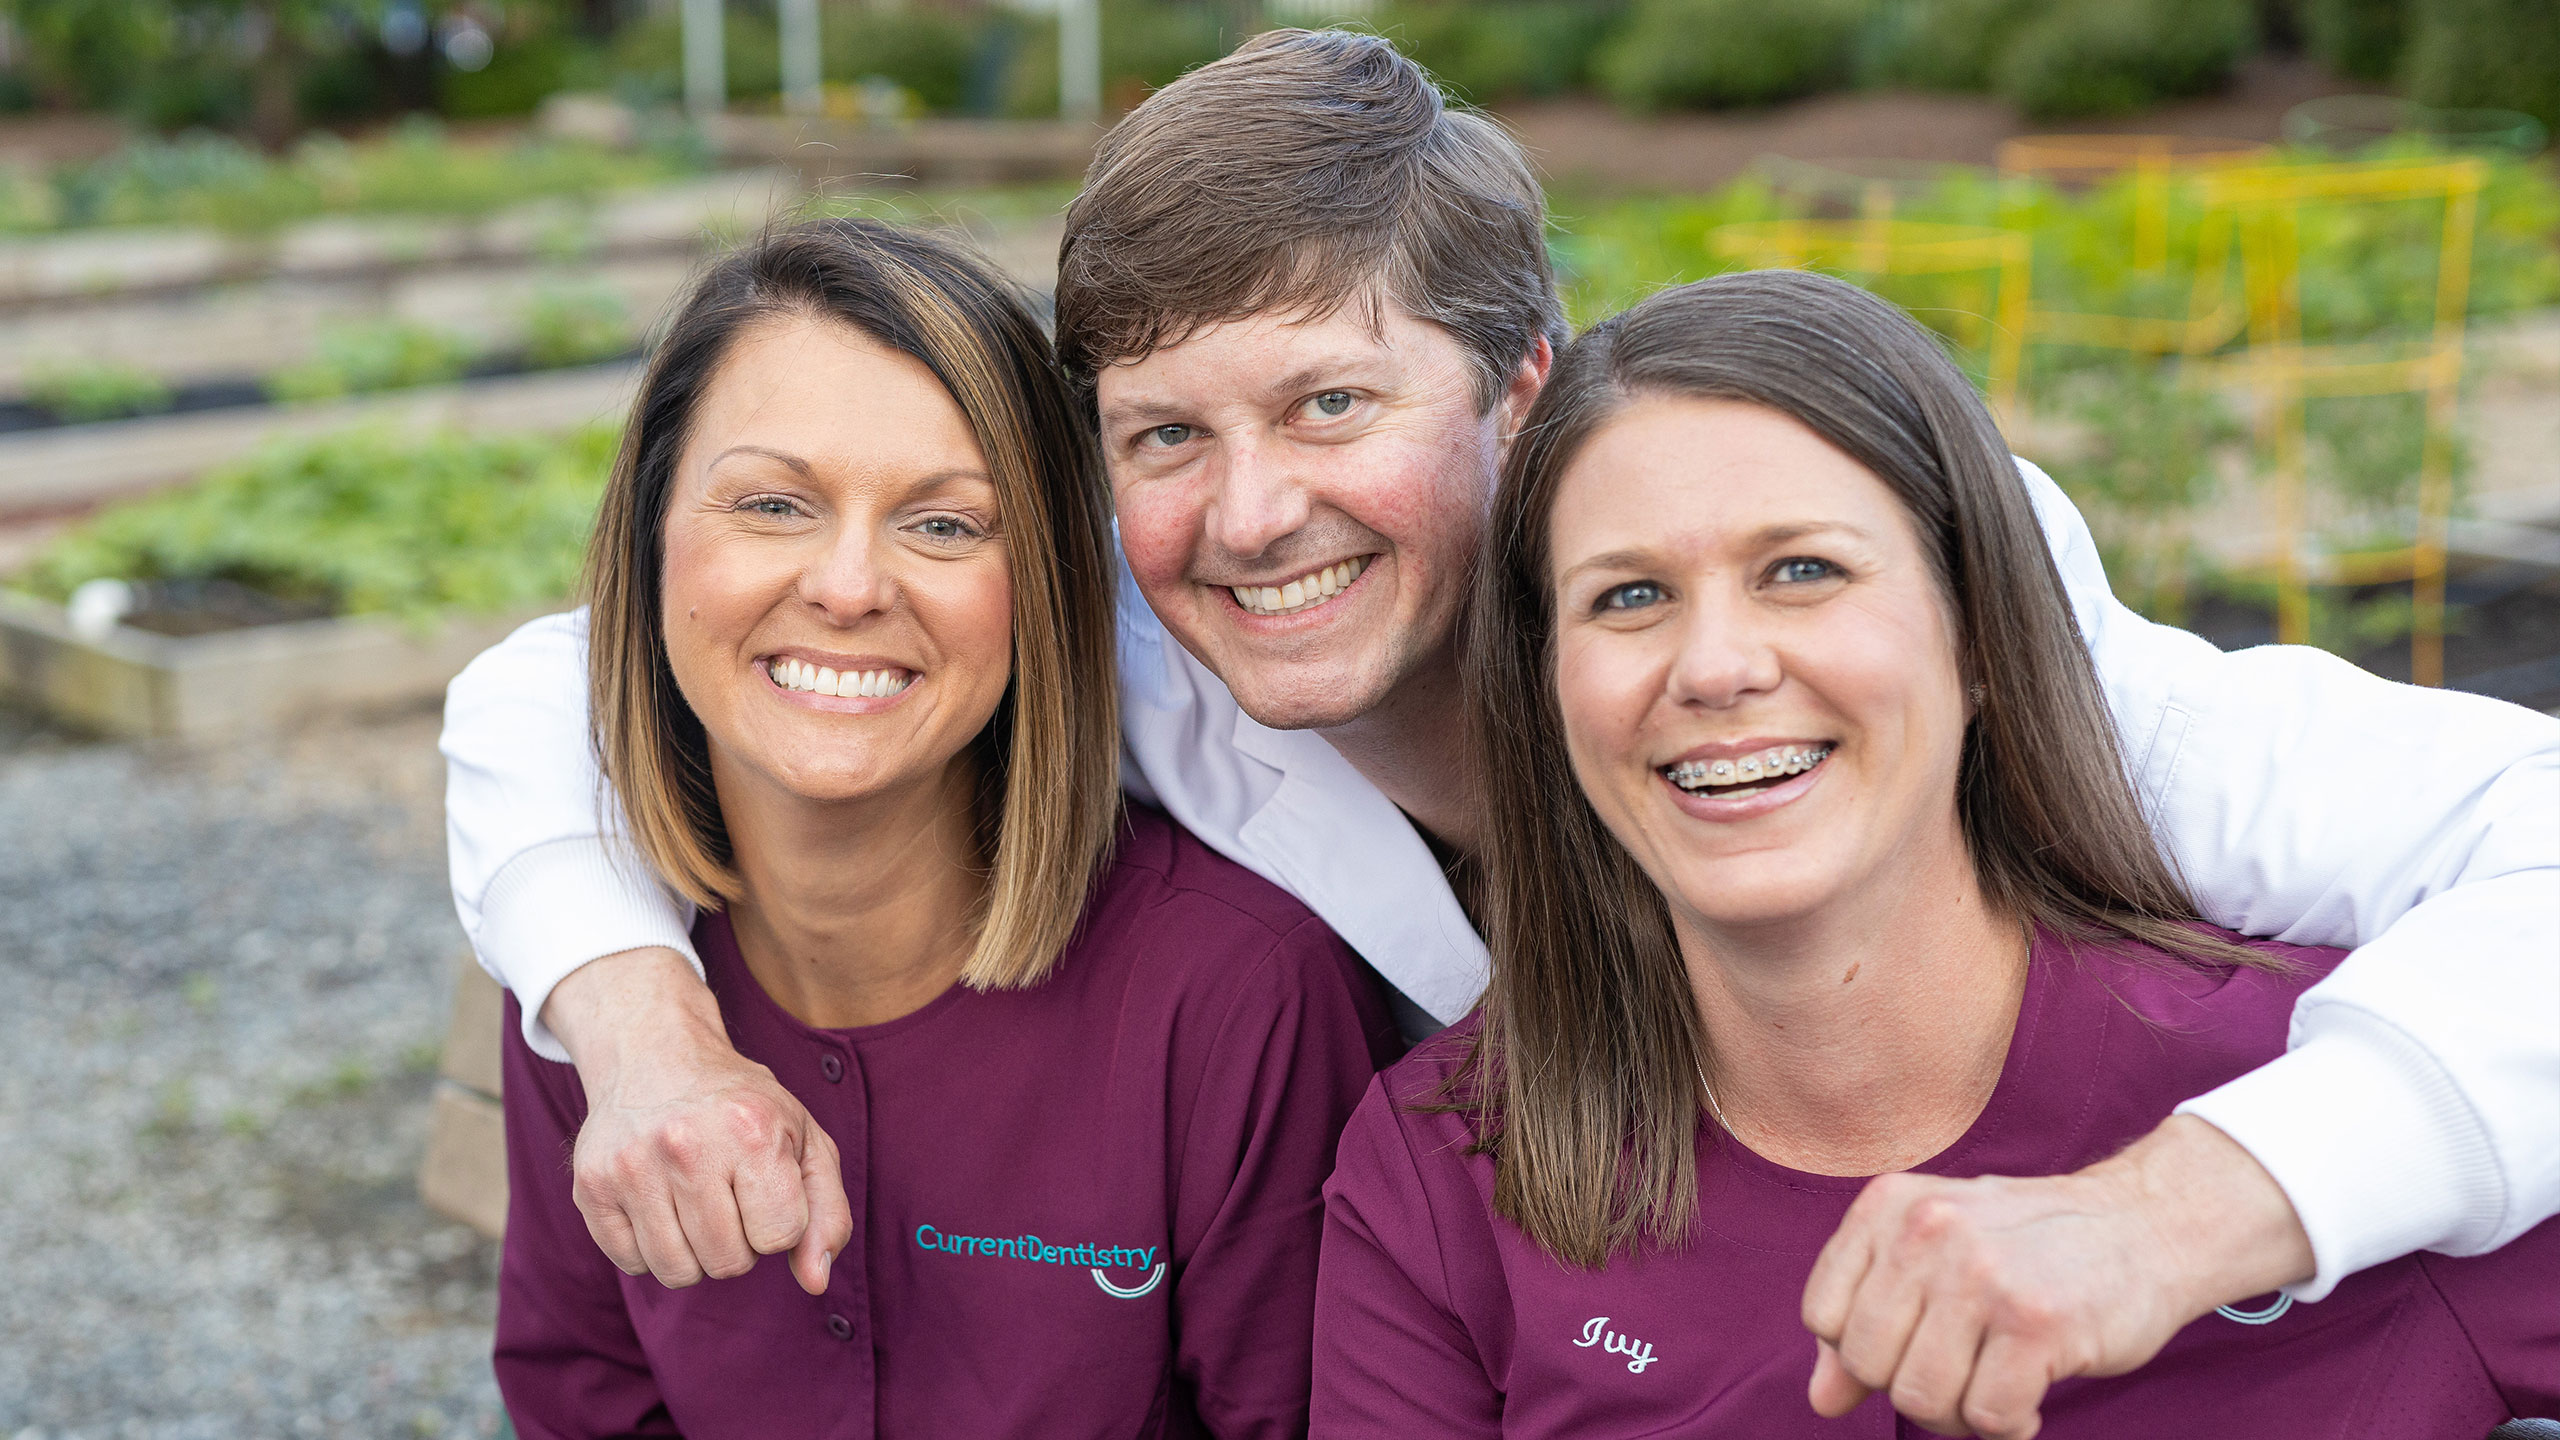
[693, 1160]
[1965, 1299]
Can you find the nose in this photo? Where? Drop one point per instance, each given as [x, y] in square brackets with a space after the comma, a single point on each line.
[848, 580]
[1723, 659]
[1257, 502]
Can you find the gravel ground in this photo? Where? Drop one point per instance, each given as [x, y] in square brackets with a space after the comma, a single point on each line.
[227, 981]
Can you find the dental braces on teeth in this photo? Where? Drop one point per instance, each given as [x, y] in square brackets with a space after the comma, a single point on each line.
[1783, 760]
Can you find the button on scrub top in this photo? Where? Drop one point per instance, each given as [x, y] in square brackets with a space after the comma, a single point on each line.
[1088, 1208]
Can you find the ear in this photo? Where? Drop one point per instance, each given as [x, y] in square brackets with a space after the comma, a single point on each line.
[1523, 390]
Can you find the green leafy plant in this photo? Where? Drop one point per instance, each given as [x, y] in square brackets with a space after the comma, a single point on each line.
[2503, 54]
[381, 355]
[2147, 439]
[2150, 438]
[1696, 53]
[79, 391]
[2357, 38]
[203, 179]
[576, 325]
[1943, 44]
[928, 52]
[2096, 57]
[1494, 51]
[369, 521]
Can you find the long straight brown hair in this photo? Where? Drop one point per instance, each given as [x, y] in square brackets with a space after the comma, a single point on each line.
[1584, 1078]
[1047, 762]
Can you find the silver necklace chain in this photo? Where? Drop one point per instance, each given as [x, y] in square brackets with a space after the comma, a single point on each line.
[1710, 1092]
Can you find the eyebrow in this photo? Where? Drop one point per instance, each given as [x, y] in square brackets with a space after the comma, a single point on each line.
[1155, 412]
[797, 465]
[1762, 538]
[927, 484]
[1326, 371]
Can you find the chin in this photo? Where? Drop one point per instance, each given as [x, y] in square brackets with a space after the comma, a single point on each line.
[1304, 697]
[1741, 895]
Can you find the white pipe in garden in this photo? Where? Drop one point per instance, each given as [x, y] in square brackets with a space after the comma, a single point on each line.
[1080, 59]
[800, 79]
[706, 68]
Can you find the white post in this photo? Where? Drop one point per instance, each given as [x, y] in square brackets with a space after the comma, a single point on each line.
[800, 92]
[706, 69]
[1080, 59]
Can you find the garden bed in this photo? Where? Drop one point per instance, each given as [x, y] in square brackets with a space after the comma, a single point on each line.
[353, 570]
[224, 681]
[74, 467]
[81, 265]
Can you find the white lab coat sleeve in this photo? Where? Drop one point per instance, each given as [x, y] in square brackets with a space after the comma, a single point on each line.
[2418, 1105]
[543, 877]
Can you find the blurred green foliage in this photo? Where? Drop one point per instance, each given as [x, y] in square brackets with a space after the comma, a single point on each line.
[1489, 50]
[368, 522]
[376, 355]
[2502, 54]
[204, 179]
[2149, 435]
[1699, 53]
[932, 54]
[2100, 57]
[259, 64]
[1146, 44]
[2140, 442]
[2360, 39]
[79, 391]
[2365, 268]
[576, 325]
[1942, 44]
[276, 66]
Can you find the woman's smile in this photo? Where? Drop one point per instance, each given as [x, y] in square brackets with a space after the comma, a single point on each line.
[863, 685]
[1745, 780]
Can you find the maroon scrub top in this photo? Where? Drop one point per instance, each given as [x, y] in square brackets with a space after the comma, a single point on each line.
[1087, 1208]
[1435, 1316]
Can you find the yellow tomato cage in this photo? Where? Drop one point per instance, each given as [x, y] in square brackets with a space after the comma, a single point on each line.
[1996, 325]
[2285, 373]
[2156, 165]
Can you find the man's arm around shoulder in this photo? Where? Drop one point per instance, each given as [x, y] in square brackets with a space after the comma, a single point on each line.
[693, 1160]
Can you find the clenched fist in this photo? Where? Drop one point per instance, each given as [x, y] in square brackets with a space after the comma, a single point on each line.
[1964, 1300]
[693, 1160]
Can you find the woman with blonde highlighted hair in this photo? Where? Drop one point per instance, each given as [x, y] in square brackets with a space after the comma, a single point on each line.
[850, 665]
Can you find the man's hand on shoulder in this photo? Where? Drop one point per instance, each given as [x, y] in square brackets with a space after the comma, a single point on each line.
[693, 1160]
[1964, 1300]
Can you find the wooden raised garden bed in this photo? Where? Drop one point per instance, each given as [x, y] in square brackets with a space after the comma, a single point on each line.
[135, 682]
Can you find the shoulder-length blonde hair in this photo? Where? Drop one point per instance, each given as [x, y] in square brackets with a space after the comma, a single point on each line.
[1584, 1080]
[1048, 760]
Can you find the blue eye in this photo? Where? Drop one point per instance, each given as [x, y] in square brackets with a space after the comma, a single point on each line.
[944, 527]
[1169, 435]
[1801, 569]
[1332, 402]
[1634, 595]
[771, 507]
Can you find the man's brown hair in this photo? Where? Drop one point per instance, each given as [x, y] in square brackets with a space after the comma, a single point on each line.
[1308, 170]
[1047, 761]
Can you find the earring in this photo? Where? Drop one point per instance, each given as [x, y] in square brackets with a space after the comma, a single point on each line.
[1977, 692]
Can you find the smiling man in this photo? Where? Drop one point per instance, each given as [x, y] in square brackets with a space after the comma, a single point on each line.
[1312, 303]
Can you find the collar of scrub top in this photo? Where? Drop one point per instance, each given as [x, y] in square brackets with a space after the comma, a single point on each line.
[1287, 806]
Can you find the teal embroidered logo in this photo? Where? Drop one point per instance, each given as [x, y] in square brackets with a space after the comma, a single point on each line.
[1097, 1260]
[2267, 1316]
